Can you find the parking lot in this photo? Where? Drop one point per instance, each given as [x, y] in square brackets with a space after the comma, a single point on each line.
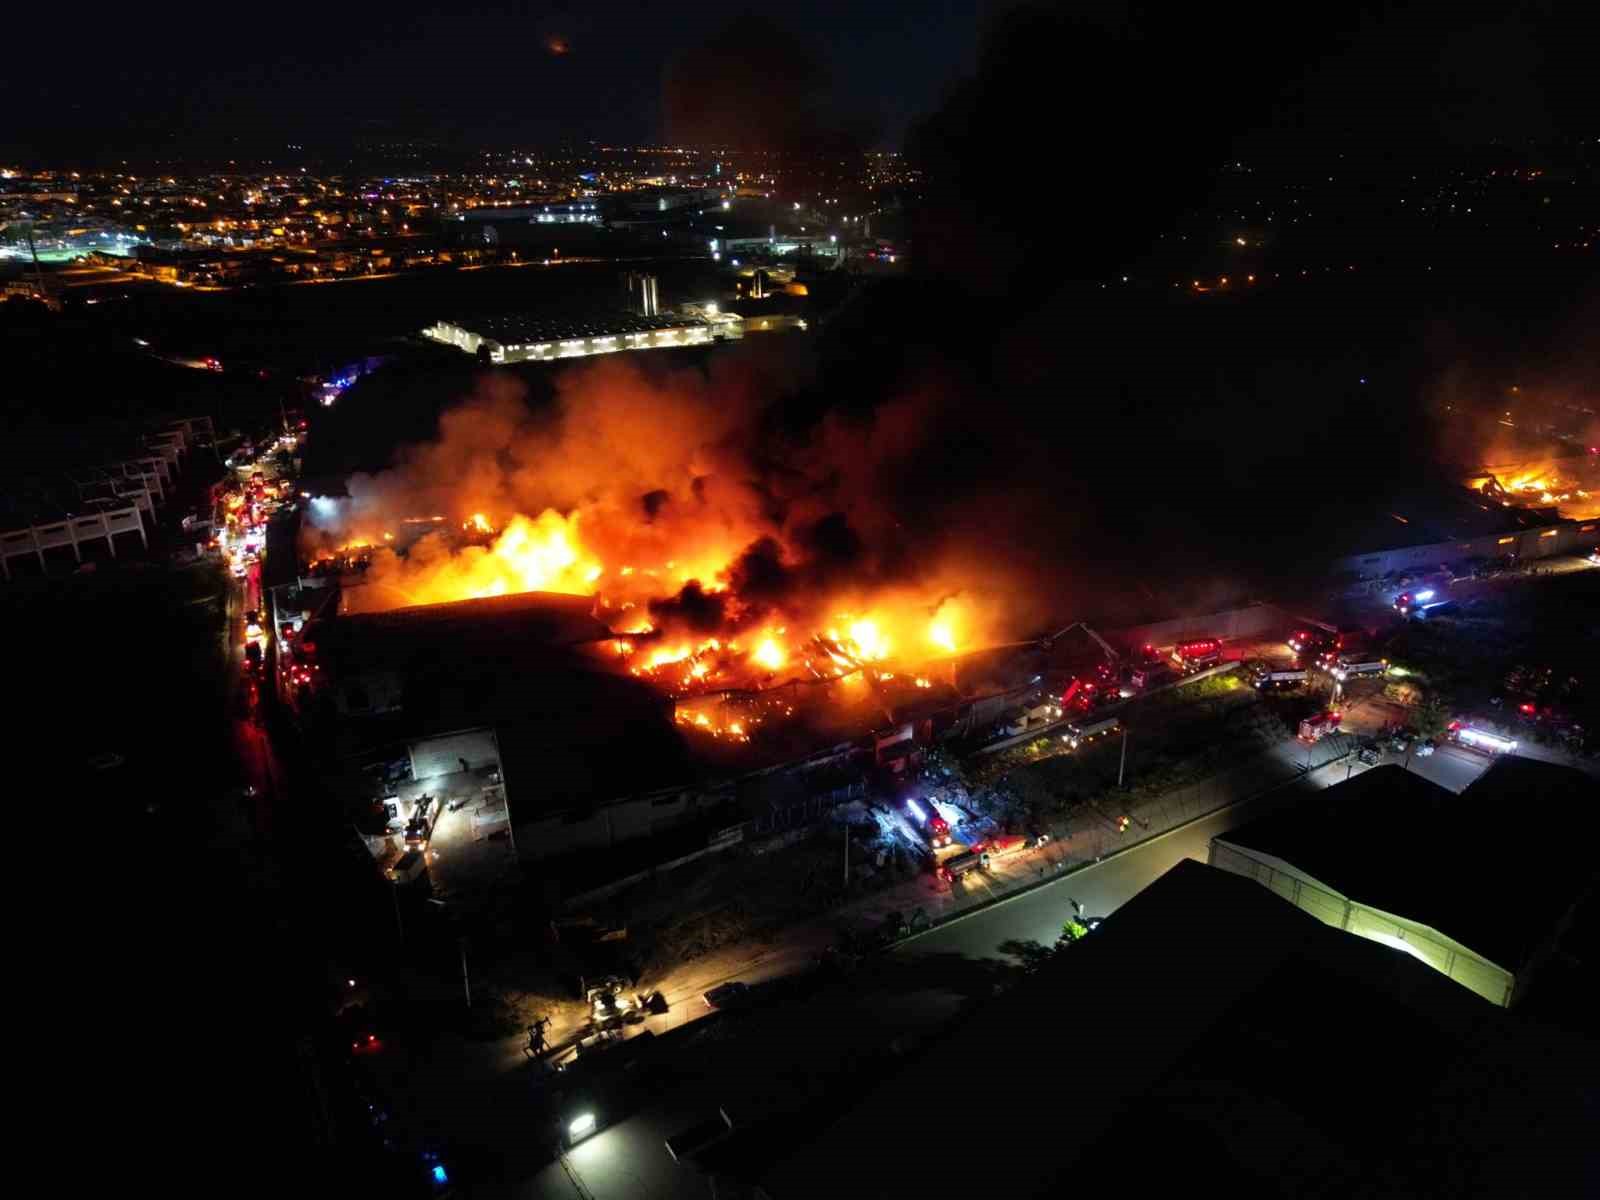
[468, 840]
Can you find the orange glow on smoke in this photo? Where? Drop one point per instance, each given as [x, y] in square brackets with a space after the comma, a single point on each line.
[638, 492]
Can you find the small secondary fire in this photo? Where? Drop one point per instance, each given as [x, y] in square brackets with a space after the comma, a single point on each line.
[1542, 485]
[720, 555]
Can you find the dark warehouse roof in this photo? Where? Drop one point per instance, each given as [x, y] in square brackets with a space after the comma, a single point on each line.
[1480, 867]
[1211, 1035]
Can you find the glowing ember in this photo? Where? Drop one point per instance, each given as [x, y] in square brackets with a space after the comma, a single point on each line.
[769, 654]
[867, 641]
[664, 656]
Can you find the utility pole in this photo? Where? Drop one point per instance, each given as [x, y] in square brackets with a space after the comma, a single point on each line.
[1121, 765]
[466, 981]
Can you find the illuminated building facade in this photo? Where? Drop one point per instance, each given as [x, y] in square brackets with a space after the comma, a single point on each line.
[521, 338]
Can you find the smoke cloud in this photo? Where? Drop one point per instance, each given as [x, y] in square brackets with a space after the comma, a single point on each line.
[687, 502]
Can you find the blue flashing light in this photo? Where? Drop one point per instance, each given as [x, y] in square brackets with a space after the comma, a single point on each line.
[440, 1175]
[916, 810]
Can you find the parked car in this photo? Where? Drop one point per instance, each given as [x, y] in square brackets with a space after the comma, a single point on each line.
[1368, 755]
[728, 995]
[1424, 749]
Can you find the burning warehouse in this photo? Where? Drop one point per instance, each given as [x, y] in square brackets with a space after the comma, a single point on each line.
[720, 555]
[591, 752]
[650, 593]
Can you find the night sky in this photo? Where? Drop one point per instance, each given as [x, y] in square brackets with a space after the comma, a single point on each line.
[467, 74]
[479, 75]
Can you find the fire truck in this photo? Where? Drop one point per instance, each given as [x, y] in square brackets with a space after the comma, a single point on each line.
[963, 864]
[1319, 726]
[1197, 654]
[925, 816]
[1264, 678]
[1480, 740]
[1310, 642]
[1086, 730]
[1424, 602]
[1355, 665]
[1084, 695]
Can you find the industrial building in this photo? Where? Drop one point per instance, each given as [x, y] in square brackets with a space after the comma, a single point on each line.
[820, 245]
[591, 756]
[1392, 857]
[1207, 1033]
[671, 199]
[487, 224]
[1422, 527]
[512, 338]
[583, 756]
[113, 496]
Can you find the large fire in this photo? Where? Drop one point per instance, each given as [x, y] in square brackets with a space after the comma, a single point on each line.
[713, 569]
[1549, 484]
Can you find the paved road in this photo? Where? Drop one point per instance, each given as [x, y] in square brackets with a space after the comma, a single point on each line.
[1102, 887]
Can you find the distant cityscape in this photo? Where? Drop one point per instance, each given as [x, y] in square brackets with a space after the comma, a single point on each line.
[221, 230]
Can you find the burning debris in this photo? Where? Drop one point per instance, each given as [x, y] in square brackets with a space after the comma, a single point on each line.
[1540, 485]
[723, 558]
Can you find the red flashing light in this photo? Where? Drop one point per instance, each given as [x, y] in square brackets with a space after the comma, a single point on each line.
[1455, 725]
[1527, 708]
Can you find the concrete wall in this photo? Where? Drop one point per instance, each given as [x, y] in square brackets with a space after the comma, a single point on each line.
[553, 834]
[1234, 622]
[71, 533]
[1444, 954]
[443, 755]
